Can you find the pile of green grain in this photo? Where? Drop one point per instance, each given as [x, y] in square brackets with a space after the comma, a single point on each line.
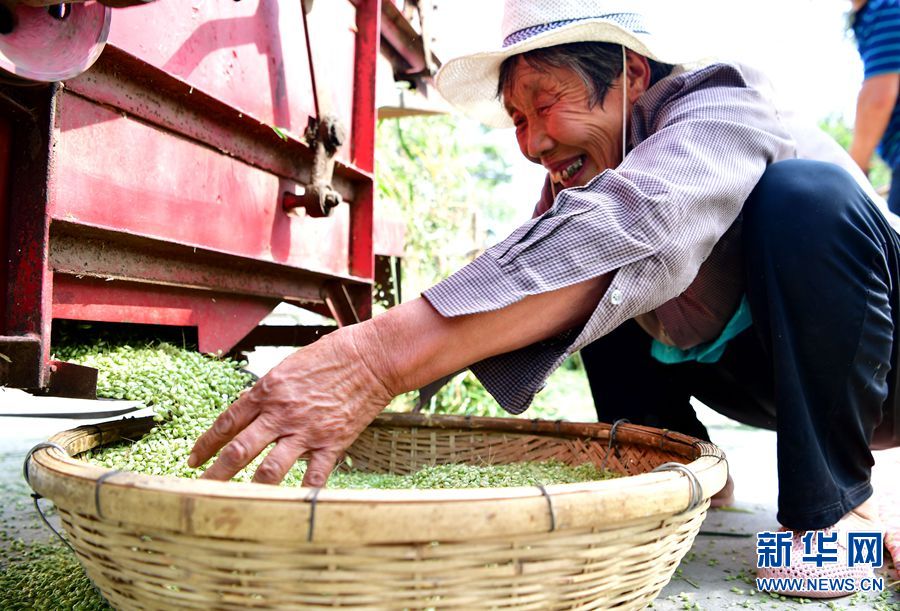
[48, 577]
[187, 390]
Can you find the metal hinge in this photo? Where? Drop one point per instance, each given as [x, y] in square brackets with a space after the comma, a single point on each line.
[325, 136]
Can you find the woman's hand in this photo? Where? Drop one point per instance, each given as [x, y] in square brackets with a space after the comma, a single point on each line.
[314, 403]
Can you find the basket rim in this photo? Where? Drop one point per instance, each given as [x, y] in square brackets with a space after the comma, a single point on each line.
[223, 509]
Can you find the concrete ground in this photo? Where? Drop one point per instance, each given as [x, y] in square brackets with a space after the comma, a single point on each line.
[19, 521]
[719, 570]
[716, 574]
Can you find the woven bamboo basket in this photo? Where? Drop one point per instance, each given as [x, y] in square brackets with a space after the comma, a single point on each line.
[152, 542]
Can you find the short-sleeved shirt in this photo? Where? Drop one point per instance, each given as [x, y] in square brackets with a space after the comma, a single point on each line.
[876, 27]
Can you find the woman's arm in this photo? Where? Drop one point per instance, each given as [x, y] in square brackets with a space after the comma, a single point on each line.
[874, 107]
[318, 400]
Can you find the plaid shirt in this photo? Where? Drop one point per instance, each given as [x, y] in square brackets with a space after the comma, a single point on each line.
[700, 141]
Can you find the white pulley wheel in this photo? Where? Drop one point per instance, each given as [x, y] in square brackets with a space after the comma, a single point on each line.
[51, 43]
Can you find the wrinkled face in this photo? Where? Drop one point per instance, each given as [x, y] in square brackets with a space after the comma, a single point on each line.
[556, 125]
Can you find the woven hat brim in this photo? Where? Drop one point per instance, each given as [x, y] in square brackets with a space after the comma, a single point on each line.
[469, 82]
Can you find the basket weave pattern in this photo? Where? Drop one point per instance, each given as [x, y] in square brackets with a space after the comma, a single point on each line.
[406, 451]
[162, 543]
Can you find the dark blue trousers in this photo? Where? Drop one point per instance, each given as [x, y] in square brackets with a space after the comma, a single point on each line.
[820, 269]
[894, 196]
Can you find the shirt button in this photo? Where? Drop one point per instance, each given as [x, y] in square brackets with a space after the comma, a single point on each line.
[615, 297]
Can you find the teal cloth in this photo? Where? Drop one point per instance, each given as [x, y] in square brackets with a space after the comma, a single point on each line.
[709, 352]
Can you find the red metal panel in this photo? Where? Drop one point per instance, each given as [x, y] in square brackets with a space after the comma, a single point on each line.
[222, 319]
[368, 26]
[164, 186]
[251, 54]
[362, 260]
[128, 84]
[86, 252]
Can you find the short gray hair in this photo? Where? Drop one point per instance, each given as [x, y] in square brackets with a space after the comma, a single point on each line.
[597, 63]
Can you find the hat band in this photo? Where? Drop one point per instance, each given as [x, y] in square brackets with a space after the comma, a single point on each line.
[628, 21]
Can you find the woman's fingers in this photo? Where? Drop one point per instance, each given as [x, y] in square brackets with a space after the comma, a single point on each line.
[229, 423]
[241, 450]
[321, 464]
[279, 461]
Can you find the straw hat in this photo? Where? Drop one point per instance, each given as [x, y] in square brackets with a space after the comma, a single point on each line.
[470, 82]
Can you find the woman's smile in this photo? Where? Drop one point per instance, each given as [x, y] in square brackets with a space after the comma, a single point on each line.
[569, 173]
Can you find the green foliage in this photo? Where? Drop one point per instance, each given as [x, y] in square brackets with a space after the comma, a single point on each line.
[442, 182]
[465, 396]
[440, 172]
[838, 128]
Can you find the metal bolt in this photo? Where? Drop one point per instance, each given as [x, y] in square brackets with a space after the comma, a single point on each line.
[60, 12]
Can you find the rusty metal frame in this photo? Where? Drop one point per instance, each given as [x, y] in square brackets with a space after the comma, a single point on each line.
[71, 380]
[84, 251]
[407, 51]
[25, 337]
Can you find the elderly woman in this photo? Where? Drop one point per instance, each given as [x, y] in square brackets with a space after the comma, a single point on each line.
[680, 240]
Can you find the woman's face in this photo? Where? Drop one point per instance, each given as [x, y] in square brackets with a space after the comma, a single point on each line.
[557, 127]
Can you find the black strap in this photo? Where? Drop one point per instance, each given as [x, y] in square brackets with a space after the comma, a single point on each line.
[611, 446]
[42, 446]
[549, 506]
[312, 513]
[696, 496]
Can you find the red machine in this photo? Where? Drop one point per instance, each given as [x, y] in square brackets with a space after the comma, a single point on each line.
[215, 160]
